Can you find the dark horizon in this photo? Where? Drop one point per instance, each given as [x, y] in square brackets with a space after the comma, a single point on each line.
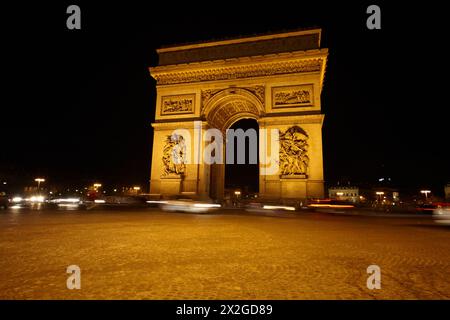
[80, 103]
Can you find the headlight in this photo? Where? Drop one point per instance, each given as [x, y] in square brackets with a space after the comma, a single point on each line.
[17, 199]
[206, 205]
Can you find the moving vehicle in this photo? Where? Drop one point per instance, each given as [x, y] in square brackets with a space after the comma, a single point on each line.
[442, 214]
[427, 208]
[187, 204]
[330, 205]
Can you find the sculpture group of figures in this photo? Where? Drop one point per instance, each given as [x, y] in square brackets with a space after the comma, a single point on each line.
[294, 159]
[182, 105]
[174, 155]
[293, 152]
[294, 97]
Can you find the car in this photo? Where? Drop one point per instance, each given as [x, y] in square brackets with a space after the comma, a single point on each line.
[187, 204]
[269, 207]
[330, 205]
[441, 214]
[426, 208]
[4, 202]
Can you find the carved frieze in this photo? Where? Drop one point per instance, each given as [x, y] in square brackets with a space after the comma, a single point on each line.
[258, 91]
[292, 96]
[294, 160]
[177, 104]
[208, 94]
[236, 72]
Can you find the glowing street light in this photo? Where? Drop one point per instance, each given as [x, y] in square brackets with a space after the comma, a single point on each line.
[426, 192]
[39, 180]
[136, 188]
[97, 185]
[379, 194]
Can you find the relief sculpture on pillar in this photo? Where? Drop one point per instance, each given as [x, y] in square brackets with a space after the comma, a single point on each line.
[174, 155]
[294, 159]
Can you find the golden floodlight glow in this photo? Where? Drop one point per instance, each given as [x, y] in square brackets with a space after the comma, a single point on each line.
[97, 185]
[339, 193]
[237, 193]
[426, 192]
[39, 180]
[380, 193]
[137, 188]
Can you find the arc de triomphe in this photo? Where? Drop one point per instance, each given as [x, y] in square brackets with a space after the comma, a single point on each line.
[275, 79]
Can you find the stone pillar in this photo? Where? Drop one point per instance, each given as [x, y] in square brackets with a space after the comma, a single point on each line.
[171, 184]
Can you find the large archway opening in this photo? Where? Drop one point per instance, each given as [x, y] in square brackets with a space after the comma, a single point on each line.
[242, 180]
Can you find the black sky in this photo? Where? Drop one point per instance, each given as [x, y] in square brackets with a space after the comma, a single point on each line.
[77, 105]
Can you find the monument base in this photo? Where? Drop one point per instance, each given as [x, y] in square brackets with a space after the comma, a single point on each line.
[293, 186]
[171, 184]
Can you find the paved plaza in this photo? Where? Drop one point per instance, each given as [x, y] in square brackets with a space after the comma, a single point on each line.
[155, 255]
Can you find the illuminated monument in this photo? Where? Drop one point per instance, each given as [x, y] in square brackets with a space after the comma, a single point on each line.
[275, 79]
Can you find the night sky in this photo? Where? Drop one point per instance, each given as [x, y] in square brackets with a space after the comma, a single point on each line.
[77, 104]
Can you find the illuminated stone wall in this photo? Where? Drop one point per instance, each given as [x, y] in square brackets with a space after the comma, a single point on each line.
[280, 90]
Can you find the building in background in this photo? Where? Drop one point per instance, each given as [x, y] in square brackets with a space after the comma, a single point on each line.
[344, 193]
[385, 195]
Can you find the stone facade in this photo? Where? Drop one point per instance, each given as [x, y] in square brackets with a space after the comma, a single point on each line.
[279, 87]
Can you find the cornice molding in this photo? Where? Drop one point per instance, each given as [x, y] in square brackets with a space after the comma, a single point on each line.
[292, 119]
[238, 71]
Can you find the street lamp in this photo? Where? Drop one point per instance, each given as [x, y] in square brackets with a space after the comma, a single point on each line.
[39, 180]
[379, 194]
[426, 192]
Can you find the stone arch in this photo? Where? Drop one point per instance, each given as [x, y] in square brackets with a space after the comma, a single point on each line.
[221, 110]
[229, 105]
[275, 79]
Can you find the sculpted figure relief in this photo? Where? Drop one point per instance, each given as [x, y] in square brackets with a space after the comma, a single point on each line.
[177, 105]
[293, 152]
[294, 97]
[174, 155]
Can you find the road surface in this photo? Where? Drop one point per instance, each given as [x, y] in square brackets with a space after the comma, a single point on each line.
[155, 255]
